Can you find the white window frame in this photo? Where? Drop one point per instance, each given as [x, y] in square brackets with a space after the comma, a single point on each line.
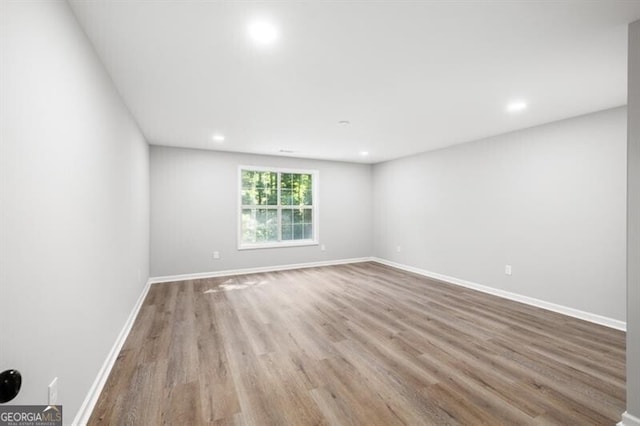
[315, 209]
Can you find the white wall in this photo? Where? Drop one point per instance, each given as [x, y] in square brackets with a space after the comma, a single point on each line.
[194, 212]
[74, 205]
[633, 245]
[548, 200]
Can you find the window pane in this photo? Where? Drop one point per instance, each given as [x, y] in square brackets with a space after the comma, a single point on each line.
[259, 225]
[287, 232]
[286, 197]
[307, 230]
[307, 216]
[248, 226]
[285, 181]
[295, 181]
[297, 224]
[287, 217]
[306, 190]
[287, 224]
[296, 189]
[268, 227]
[247, 178]
[259, 188]
[247, 185]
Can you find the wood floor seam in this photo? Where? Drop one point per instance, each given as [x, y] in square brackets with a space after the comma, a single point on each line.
[357, 344]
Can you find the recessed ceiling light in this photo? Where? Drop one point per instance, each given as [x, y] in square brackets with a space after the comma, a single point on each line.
[364, 153]
[516, 106]
[218, 137]
[344, 122]
[263, 32]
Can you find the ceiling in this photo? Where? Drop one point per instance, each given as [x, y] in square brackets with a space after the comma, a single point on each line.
[409, 76]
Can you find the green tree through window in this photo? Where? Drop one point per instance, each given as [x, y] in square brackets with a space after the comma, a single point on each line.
[277, 207]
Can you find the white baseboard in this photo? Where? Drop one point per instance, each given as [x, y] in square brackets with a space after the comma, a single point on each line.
[213, 274]
[82, 417]
[629, 420]
[576, 313]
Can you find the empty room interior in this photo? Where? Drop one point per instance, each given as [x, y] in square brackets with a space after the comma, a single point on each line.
[320, 212]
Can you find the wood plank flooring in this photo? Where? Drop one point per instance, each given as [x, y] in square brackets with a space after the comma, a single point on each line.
[360, 344]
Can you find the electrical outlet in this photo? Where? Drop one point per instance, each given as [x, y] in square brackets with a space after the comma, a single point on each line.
[398, 249]
[323, 247]
[216, 255]
[507, 269]
[53, 392]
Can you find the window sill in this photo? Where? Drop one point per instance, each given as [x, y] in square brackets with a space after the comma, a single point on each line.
[299, 243]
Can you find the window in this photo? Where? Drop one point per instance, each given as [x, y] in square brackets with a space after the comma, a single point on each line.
[278, 207]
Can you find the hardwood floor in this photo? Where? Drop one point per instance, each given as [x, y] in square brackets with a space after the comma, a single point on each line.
[357, 344]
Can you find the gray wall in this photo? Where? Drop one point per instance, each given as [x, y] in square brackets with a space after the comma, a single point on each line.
[74, 205]
[194, 212]
[633, 214]
[549, 200]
